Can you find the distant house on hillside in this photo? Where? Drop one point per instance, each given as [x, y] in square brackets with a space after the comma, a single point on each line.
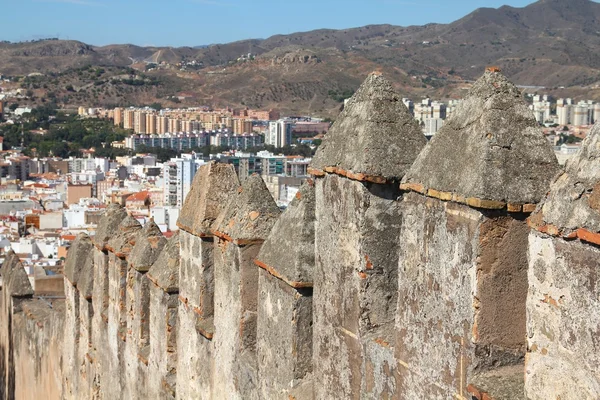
[138, 200]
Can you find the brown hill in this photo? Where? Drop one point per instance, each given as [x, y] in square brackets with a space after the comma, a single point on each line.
[550, 43]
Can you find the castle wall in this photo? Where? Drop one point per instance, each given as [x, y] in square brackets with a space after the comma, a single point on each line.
[162, 359]
[563, 314]
[37, 343]
[284, 339]
[137, 334]
[94, 362]
[461, 287]
[236, 290]
[70, 380]
[196, 313]
[355, 281]
[374, 283]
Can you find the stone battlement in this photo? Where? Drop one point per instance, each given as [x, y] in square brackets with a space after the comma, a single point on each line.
[463, 268]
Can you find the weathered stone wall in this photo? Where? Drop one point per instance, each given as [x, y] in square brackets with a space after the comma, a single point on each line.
[394, 274]
[563, 319]
[37, 344]
[355, 282]
[461, 295]
[563, 301]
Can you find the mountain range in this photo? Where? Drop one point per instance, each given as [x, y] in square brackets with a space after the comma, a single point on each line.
[553, 44]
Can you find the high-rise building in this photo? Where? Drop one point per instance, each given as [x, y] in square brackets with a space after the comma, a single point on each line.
[139, 122]
[162, 125]
[241, 125]
[279, 133]
[596, 112]
[118, 116]
[151, 124]
[178, 175]
[128, 119]
[564, 114]
[174, 125]
[432, 125]
[581, 116]
[439, 110]
[186, 126]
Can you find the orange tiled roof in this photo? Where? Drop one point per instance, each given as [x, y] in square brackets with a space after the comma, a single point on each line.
[140, 196]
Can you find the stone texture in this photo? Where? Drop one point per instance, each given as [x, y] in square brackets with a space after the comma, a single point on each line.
[491, 148]
[87, 337]
[37, 331]
[109, 225]
[500, 384]
[71, 357]
[164, 303]
[574, 198]
[121, 242]
[138, 333]
[78, 259]
[162, 356]
[211, 189]
[241, 228]
[289, 251]
[461, 289]
[432, 295]
[564, 297]
[356, 241]
[285, 300]
[374, 135]
[563, 314]
[235, 373]
[284, 337]
[14, 277]
[149, 243]
[196, 276]
[165, 270]
[249, 215]
[195, 355]
[111, 353]
[355, 279]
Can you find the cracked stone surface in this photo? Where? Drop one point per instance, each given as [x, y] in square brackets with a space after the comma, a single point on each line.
[109, 225]
[165, 271]
[120, 243]
[290, 248]
[490, 148]
[149, 243]
[250, 214]
[374, 135]
[14, 277]
[213, 186]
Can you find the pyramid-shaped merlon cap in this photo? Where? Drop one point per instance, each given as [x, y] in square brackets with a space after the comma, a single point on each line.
[211, 189]
[165, 270]
[80, 253]
[14, 278]
[491, 149]
[573, 202]
[250, 214]
[149, 243]
[109, 225]
[375, 135]
[120, 243]
[289, 251]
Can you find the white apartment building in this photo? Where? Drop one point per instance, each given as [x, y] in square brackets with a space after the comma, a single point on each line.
[279, 133]
[178, 174]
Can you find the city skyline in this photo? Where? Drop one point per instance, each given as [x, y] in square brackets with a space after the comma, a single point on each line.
[104, 22]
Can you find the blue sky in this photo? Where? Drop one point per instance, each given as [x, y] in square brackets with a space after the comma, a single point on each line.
[196, 22]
